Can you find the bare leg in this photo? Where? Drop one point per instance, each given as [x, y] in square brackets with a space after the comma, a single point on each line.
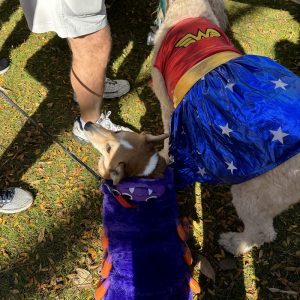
[90, 58]
[166, 106]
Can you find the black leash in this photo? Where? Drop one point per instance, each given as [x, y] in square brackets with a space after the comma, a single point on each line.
[65, 149]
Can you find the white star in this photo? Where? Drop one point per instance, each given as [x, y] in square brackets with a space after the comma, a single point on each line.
[182, 132]
[230, 86]
[278, 135]
[225, 129]
[201, 171]
[231, 166]
[202, 78]
[198, 152]
[171, 158]
[279, 84]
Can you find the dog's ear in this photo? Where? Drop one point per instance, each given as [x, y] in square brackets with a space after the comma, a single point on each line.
[117, 174]
[155, 138]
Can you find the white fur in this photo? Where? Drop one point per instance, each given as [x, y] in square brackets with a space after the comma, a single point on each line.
[126, 144]
[259, 200]
[152, 163]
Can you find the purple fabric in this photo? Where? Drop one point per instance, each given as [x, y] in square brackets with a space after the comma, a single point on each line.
[146, 251]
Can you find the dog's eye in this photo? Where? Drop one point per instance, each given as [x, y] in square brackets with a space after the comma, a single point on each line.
[108, 148]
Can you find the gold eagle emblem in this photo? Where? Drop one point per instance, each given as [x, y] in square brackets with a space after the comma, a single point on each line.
[191, 38]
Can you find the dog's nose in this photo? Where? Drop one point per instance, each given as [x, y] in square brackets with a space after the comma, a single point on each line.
[88, 125]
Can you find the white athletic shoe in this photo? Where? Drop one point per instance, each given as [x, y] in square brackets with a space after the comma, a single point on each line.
[113, 89]
[13, 200]
[104, 121]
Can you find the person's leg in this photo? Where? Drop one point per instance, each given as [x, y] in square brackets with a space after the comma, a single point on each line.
[88, 34]
[90, 58]
[89, 62]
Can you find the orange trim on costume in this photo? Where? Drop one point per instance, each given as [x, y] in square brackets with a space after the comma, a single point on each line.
[194, 285]
[188, 256]
[107, 265]
[181, 232]
[104, 241]
[101, 289]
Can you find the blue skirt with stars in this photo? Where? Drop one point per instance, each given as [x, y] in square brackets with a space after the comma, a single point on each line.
[239, 121]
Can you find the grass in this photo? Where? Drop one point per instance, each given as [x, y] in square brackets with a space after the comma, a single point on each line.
[41, 249]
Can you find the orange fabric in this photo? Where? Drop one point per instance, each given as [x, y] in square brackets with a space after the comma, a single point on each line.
[181, 232]
[101, 290]
[194, 285]
[188, 256]
[107, 265]
[104, 241]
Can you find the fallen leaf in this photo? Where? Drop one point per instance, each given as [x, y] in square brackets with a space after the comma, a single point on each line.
[41, 236]
[92, 253]
[83, 278]
[206, 268]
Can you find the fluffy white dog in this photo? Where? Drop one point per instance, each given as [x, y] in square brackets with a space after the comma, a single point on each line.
[262, 195]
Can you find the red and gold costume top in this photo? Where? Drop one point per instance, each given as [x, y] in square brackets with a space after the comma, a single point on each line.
[186, 44]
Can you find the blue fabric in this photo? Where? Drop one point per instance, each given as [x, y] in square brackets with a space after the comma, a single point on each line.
[147, 254]
[239, 121]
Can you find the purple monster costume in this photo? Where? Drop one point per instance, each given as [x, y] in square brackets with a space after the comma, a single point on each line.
[145, 254]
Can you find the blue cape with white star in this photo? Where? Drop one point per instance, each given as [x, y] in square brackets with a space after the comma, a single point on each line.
[239, 121]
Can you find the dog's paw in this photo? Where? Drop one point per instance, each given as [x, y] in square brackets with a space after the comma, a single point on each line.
[235, 243]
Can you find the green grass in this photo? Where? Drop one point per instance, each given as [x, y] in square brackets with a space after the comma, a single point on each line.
[40, 249]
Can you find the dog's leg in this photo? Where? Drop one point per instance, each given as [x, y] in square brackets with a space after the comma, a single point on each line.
[258, 219]
[258, 201]
[166, 105]
[254, 235]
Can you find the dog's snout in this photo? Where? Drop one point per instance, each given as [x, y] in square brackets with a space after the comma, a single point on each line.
[88, 125]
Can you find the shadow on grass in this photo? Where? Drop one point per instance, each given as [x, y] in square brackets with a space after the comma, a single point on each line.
[234, 17]
[130, 22]
[40, 270]
[287, 53]
[29, 144]
[20, 32]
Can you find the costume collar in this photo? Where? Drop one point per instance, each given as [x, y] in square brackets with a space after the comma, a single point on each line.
[141, 189]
